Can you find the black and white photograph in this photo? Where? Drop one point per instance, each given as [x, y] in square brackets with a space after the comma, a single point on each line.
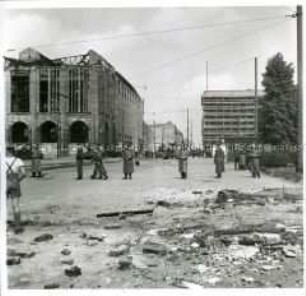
[153, 146]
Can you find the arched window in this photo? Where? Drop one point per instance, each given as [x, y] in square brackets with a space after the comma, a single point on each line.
[48, 132]
[78, 132]
[20, 133]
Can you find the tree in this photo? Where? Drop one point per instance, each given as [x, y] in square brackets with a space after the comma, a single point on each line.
[278, 112]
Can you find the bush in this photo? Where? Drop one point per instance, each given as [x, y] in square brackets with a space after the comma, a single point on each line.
[277, 159]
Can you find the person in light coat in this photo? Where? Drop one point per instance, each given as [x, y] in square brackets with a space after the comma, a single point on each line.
[128, 162]
[36, 162]
[183, 162]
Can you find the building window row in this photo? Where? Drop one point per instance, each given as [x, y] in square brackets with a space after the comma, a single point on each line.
[78, 90]
[232, 116]
[20, 91]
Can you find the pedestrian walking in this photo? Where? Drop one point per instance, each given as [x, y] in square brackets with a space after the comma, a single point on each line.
[79, 163]
[254, 163]
[36, 162]
[15, 173]
[137, 162]
[183, 162]
[99, 169]
[236, 160]
[128, 162]
[219, 161]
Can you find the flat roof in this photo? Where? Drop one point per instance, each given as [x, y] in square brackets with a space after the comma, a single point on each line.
[232, 93]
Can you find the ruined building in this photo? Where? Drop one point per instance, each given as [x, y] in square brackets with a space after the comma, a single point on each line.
[60, 103]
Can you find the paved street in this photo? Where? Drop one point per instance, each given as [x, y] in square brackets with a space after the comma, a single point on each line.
[65, 210]
[59, 192]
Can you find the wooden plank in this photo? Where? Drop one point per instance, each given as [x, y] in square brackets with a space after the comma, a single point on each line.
[127, 212]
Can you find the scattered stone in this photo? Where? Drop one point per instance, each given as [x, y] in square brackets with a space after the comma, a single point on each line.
[13, 261]
[247, 240]
[202, 268]
[44, 237]
[208, 211]
[155, 248]
[268, 238]
[91, 243]
[163, 203]
[21, 254]
[280, 226]
[52, 286]
[189, 285]
[150, 201]
[213, 280]
[195, 245]
[242, 252]
[73, 271]
[227, 241]
[289, 251]
[224, 195]
[122, 216]
[268, 267]
[188, 236]
[247, 279]
[67, 261]
[112, 226]
[97, 238]
[125, 263]
[66, 252]
[83, 235]
[119, 251]
[142, 262]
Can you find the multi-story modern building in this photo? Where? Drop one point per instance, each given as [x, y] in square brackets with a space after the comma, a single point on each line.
[162, 135]
[60, 103]
[228, 116]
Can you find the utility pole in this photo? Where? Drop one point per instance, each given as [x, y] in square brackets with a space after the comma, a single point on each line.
[191, 134]
[206, 75]
[299, 18]
[154, 137]
[256, 101]
[187, 128]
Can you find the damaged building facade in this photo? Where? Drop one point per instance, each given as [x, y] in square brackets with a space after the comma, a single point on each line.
[61, 103]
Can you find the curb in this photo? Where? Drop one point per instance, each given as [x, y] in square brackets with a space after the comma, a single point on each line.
[49, 167]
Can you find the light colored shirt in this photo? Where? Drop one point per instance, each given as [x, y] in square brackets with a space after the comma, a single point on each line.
[16, 164]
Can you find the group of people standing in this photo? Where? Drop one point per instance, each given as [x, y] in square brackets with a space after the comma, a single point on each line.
[250, 160]
[99, 170]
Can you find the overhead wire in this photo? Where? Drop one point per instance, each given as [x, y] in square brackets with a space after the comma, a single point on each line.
[201, 51]
[148, 33]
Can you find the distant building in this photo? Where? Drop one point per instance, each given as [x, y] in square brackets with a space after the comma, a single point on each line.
[60, 103]
[228, 116]
[162, 136]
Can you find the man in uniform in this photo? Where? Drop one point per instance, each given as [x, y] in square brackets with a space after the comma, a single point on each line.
[236, 159]
[183, 162]
[99, 168]
[79, 163]
[36, 162]
[15, 173]
[254, 163]
[128, 162]
[219, 161]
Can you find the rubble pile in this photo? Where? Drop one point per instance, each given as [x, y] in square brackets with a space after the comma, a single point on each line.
[214, 241]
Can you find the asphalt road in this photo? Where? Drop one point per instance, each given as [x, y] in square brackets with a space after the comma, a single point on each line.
[60, 196]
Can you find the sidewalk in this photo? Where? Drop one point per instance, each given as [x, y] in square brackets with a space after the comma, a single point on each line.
[65, 162]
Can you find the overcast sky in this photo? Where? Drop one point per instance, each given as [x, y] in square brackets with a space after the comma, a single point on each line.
[167, 69]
